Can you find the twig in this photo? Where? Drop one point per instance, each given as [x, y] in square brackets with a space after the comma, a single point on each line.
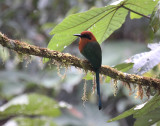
[136, 12]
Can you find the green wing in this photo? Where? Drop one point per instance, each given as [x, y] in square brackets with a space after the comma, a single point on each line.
[92, 51]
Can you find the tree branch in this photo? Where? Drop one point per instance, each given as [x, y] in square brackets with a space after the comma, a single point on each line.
[67, 59]
[136, 12]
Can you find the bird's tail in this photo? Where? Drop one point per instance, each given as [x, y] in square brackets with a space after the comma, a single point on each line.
[98, 89]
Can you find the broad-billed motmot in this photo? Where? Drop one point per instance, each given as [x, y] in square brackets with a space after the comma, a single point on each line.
[90, 49]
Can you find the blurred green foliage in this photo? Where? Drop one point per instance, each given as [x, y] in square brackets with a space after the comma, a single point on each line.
[30, 105]
[145, 114]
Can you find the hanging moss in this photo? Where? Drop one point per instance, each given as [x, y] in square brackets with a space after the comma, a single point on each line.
[66, 59]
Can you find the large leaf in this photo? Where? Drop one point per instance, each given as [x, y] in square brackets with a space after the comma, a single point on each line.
[146, 114]
[101, 21]
[155, 19]
[148, 119]
[32, 104]
[144, 7]
[143, 62]
[123, 115]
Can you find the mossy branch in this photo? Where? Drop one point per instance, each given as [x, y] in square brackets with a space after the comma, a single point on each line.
[67, 59]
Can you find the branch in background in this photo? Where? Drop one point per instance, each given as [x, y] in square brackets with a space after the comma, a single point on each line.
[148, 17]
[70, 60]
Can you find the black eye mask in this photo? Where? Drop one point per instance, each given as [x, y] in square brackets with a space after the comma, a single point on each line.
[86, 36]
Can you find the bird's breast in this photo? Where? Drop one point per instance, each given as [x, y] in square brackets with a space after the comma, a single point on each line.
[83, 43]
[92, 52]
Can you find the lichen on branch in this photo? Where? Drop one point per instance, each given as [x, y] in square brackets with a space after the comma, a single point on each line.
[68, 59]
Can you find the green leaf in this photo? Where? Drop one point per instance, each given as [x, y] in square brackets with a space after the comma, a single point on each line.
[146, 114]
[134, 15]
[4, 53]
[148, 119]
[144, 7]
[108, 79]
[30, 104]
[89, 76]
[124, 67]
[158, 123]
[155, 19]
[149, 106]
[123, 115]
[25, 121]
[101, 21]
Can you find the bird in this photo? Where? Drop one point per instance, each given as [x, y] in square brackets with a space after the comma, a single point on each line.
[91, 50]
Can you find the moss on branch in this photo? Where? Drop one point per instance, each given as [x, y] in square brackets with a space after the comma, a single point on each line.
[67, 59]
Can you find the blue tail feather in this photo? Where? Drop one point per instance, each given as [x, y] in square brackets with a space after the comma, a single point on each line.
[98, 90]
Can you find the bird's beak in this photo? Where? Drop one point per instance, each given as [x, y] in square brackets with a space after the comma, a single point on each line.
[79, 35]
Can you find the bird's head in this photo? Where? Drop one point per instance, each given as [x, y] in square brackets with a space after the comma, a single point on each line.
[86, 35]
